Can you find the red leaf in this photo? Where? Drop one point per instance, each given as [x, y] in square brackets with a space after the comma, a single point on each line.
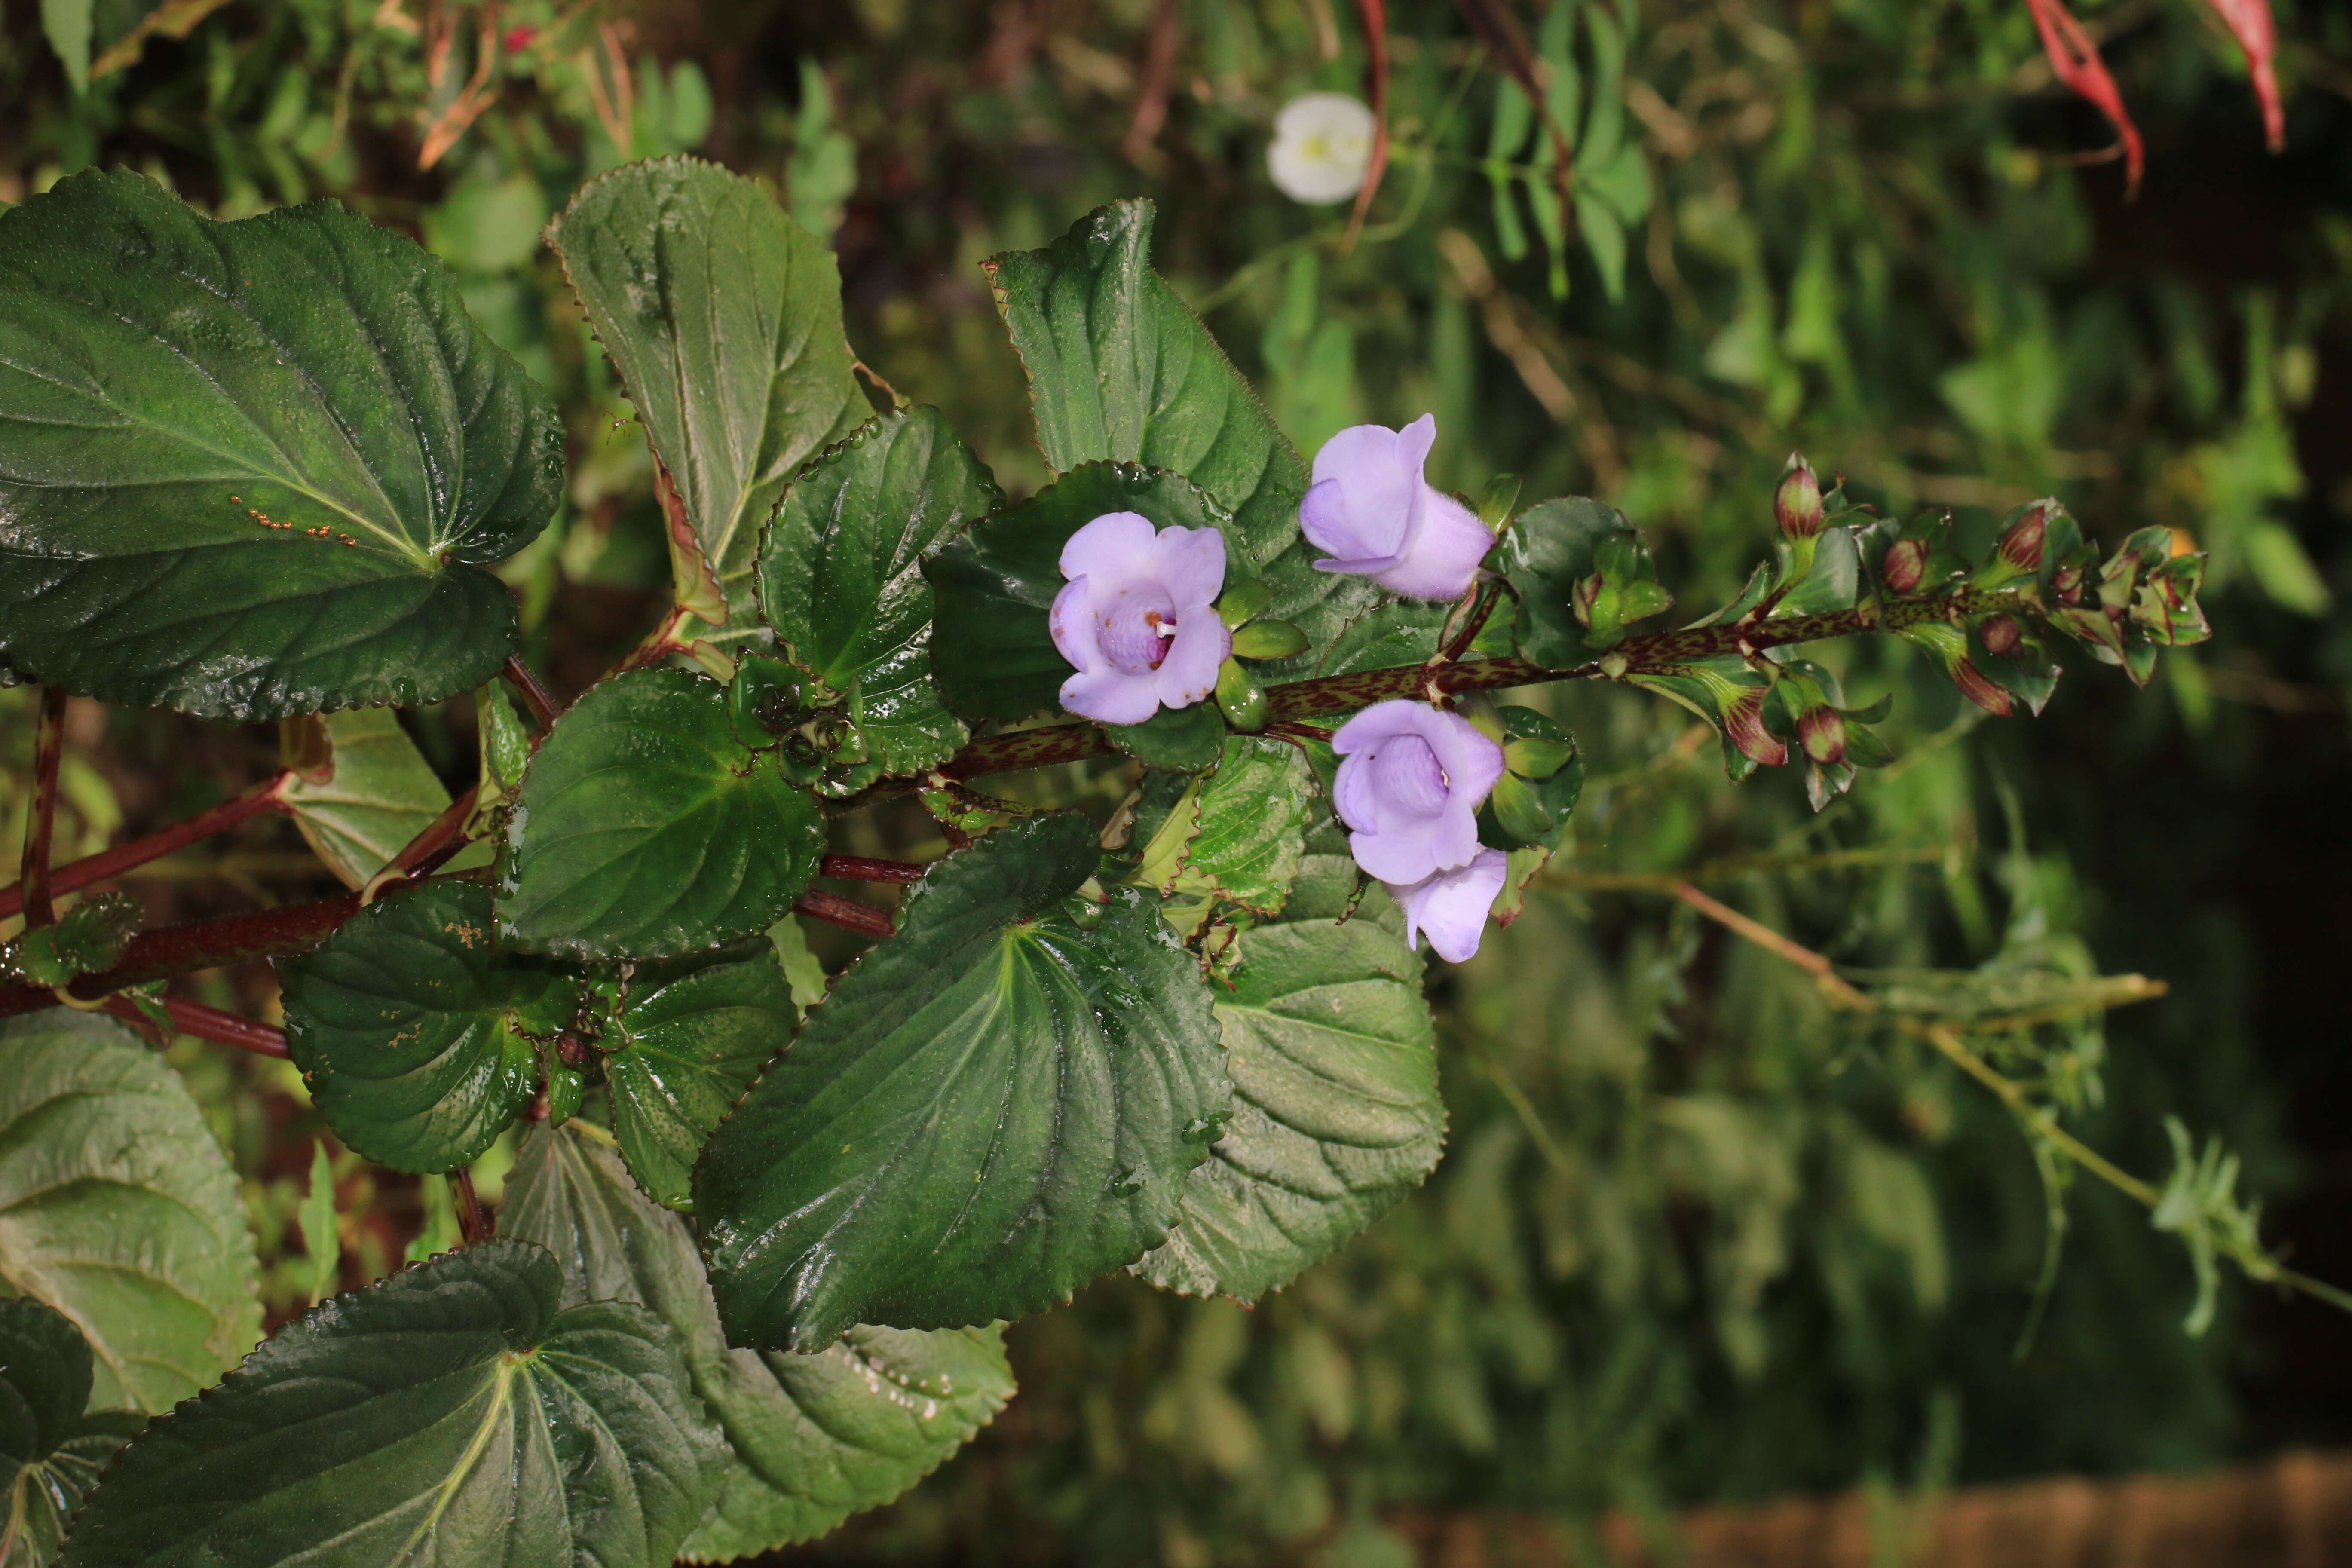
[2075, 59]
[2249, 21]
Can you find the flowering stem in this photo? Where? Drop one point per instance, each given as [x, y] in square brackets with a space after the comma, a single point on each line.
[40, 819]
[267, 796]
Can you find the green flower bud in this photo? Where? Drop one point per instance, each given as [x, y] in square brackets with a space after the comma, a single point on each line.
[1242, 700]
[1268, 640]
[1797, 504]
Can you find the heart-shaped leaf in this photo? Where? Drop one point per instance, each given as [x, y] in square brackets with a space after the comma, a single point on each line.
[255, 468]
[840, 576]
[1335, 1114]
[450, 1413]
[723, 317]
[419, 1041]
[991, 1108]
[816, 1437]
[687, 1038]
[51, 1451]
[122, 1212]
[1122, 370]
[992, 648]
[646, 829]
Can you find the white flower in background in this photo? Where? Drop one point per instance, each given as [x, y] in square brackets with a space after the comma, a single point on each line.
[1322, 148]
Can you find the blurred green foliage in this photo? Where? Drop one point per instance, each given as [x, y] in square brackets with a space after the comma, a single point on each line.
[1697, 1234]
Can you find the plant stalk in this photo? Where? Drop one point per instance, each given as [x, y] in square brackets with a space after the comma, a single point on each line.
[41, 817]
[267, 796]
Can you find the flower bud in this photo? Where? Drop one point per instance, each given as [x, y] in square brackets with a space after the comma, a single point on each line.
[2068, 582]
[1743, 721]
[1905, 566]
[2021, 545]
[1979, 690]
[1822, 732]
[2000, 633]
[1797, 504]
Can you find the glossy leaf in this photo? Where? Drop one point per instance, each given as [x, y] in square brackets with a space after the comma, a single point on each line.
[419, 1040]
[840, 576]
[122, 1212]
[688, 1037]
[1184, 739]
[723, 317]
[646, 829]
[253, 469]
[1335, 1115]
[1119, 369]
[1551, 549]
[450, 1413]
[815, 1438]
[50, 1452]
[991, 1108]
[382, 794]
[992, 648]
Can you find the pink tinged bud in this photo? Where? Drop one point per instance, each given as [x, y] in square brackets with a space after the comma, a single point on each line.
[1411, 778]
[1744, 722]
[1822, 732]
[2000, 633]
[1449, 906]
[2068, 582]
[1905, 566]
[2021, 545]
[1979, 690]
[1797, 504]
[1138, 619]
[1372, 512]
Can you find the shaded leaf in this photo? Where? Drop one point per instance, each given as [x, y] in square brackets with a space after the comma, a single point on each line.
[644, 828]
[991, 1108]
[815, 1438]
[171, 381]
[50, 1452]
[382, 794]
[122, 1212]
[419, 1040]
[450, 1413]
[841, 578]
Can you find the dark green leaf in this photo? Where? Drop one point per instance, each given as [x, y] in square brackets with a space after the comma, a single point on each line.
[1335, 1114]
[1120, 370]
[86, 939]
[993, 650]
[1184, 739]
[990, 1108]
[723, 317]
[450, 1414]
[645, 829]
[1351, 623]
[841, 579]
[171, 381]
[122, 1212]
[421, 1042]
[1552, 548]
[687, 1040]
[50, 1452]
[815, 1438]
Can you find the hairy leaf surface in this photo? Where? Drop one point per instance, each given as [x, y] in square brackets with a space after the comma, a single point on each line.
[117, 1208]
[992, 649]
[723, 317]
[646, 829]
[815, 1438]
[451, 1414]
[989, 1109]
[688, 1037]
[840, 576]
[420, 1042]
[1119, 369]
[253, 469]
[1335, 1114]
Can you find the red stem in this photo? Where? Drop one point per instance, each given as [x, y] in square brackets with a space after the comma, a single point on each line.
[856, 868]
[261, 797]
[1374, 14]
[471, 1225]
[40, 822]
[224, 1028]
[864, 919]
[534, 695]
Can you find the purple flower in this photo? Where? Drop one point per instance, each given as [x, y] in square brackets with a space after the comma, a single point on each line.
[1138, 619]
[1369, 506]
[1449, 906]
[1411, 779]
